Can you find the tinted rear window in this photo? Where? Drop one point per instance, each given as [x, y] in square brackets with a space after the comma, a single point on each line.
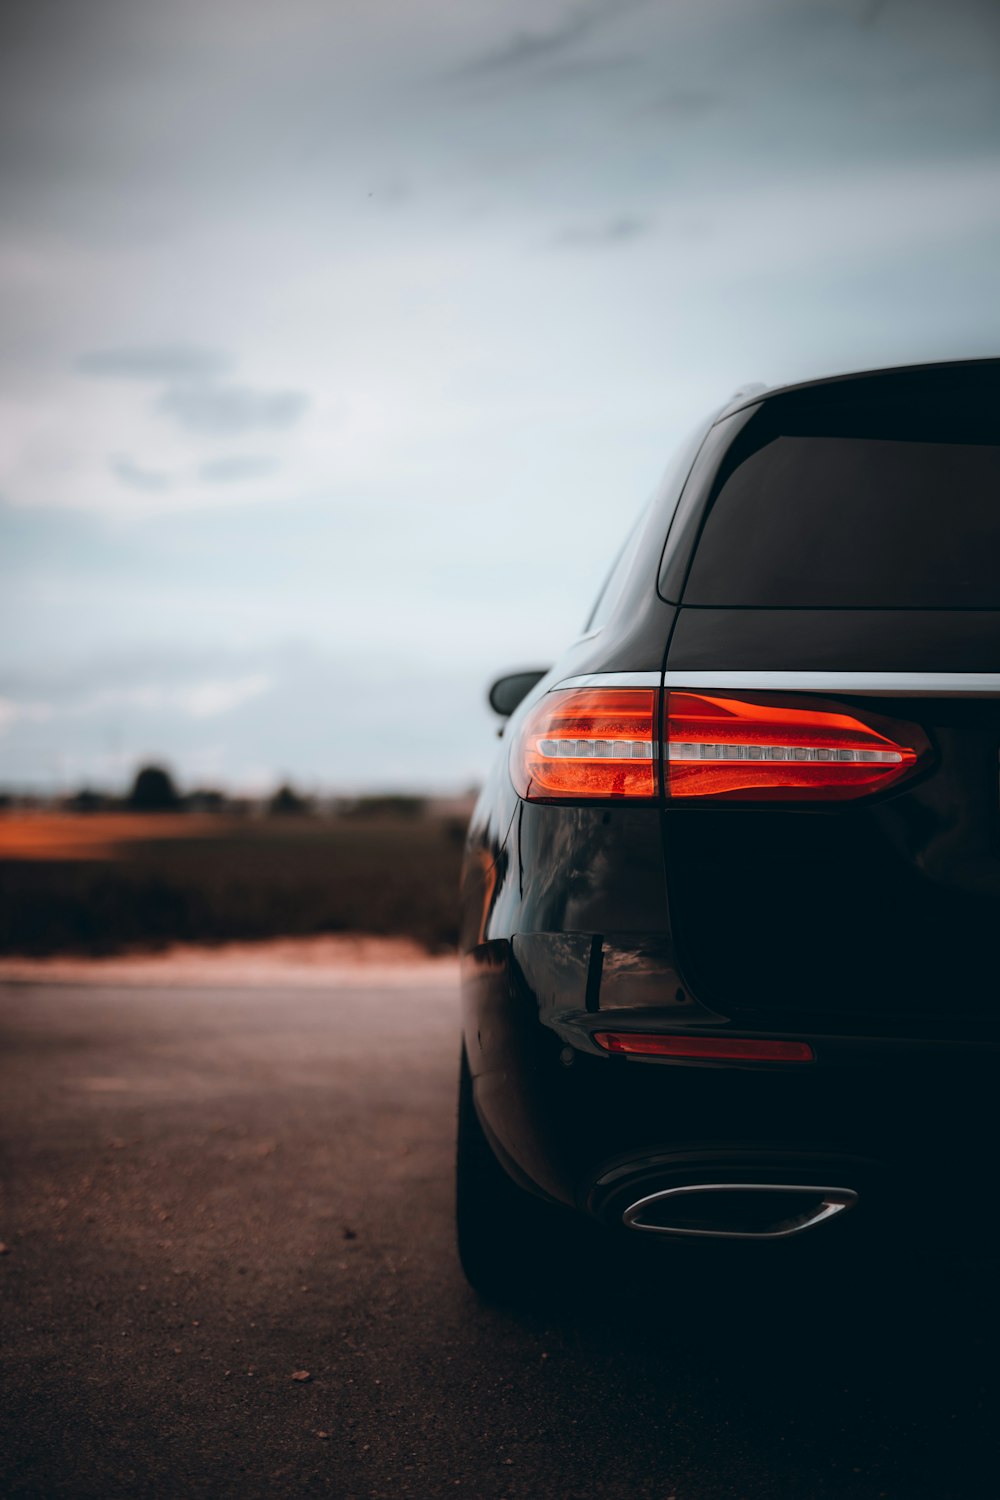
[853, 518]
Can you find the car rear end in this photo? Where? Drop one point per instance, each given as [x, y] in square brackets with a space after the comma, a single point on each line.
[743, 926]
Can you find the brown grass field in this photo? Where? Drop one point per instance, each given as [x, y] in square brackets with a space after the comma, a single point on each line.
[117, 882]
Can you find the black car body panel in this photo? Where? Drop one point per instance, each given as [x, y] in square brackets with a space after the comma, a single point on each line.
[862, 640]
[867, 928]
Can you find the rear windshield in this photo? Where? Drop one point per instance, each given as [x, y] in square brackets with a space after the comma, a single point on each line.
[813, 519]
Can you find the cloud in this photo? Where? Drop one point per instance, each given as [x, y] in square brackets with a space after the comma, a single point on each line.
[12, 713]
[260, 711]
[230, 470]
[617, 231]
[207, 700]
[527, 47]
[222, 410]
[50, 538]
[685, 103]
[138, 478]
[155, 362]
[199, 698]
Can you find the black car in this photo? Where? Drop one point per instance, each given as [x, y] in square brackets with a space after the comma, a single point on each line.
[731, 897]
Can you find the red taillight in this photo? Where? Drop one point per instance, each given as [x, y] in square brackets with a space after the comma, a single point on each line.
[708, 1048]
[582, 743]
[752, 749]
[579, 744]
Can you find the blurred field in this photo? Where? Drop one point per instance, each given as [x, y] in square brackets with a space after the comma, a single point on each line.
[115, 882]
[47, 835]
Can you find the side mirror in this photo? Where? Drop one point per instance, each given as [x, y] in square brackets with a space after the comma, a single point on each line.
[507, 692]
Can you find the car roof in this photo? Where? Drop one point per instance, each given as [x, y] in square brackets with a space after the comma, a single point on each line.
[751, 394]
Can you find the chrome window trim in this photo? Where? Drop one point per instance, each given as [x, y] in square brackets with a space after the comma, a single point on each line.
[611, 680]
[861, 684]
[873, 684]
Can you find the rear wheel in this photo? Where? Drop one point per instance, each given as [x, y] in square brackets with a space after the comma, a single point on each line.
[509, 1241]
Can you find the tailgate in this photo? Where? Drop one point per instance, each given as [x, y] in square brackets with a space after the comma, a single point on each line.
[882, 907]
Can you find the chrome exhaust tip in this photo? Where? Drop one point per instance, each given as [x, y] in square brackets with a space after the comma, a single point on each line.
[737, 1210]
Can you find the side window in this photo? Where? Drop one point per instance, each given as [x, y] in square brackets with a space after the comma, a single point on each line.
[610, 593]
[662, 506]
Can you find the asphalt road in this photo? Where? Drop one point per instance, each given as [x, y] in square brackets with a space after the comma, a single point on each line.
[208, 1190]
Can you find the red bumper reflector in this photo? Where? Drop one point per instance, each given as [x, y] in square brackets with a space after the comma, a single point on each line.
[713, 1048]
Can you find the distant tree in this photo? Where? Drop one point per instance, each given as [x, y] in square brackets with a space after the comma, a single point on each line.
[205, 799]
[86, 800]
[287, 800]
[387, 805]
[153, 791]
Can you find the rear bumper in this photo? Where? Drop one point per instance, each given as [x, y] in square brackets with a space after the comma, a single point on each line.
[907, 1122]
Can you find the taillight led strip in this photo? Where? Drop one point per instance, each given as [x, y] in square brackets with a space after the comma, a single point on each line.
[800, 754]
[597, 749]
[597, 742]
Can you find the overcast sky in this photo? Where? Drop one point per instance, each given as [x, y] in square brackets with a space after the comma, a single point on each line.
[342, 340]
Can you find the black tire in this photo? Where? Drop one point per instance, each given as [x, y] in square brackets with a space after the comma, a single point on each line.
[509, 1240]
